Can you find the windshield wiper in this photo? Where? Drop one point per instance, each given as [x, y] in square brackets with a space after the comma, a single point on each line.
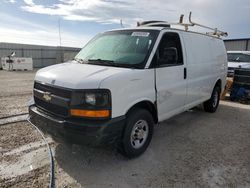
[111, 63]
[101, 60]
[104, 62]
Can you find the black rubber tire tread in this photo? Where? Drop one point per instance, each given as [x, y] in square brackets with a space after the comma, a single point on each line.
[208, 105]
[132, 117]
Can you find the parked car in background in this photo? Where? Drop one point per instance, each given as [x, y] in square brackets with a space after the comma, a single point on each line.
[237, 59]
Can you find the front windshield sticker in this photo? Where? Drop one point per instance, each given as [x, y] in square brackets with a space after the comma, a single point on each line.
[140, 34]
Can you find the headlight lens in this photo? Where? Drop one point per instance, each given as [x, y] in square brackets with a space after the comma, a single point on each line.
[90, 98]
[97, 99]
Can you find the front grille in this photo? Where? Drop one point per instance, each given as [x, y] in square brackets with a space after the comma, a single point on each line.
[55, 109]
[230, 68]
[53, 90]
[49, 106]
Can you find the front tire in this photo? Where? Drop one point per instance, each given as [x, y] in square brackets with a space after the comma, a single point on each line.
[212, 104]
[138, 133]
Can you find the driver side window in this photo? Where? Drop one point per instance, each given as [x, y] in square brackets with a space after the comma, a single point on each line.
[170, 51]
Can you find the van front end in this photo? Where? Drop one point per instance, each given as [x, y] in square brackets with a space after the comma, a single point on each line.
[75, 115]
[88, 100]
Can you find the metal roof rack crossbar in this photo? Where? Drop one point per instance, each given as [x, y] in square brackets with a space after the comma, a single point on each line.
[215, 31]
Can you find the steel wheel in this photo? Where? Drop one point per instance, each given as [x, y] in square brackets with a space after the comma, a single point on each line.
[139, 134]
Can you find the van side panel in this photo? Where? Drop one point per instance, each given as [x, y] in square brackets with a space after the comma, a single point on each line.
[219, 70]
[199, 67]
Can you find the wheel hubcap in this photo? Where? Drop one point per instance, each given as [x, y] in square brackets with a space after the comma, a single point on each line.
[139, 134]
[215, 99]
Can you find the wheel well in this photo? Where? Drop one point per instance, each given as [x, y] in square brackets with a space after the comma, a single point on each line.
[218, 83]
[148, 106]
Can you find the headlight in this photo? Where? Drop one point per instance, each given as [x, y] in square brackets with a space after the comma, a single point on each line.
[91, 104]
[97, 99]
[90, 98]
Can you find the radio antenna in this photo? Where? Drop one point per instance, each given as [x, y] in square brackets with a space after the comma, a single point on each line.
[59, 32]
[121, 23]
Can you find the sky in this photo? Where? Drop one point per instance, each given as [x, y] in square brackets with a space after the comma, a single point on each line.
[37, 21]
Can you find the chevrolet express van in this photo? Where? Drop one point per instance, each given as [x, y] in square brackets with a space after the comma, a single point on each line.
[125, 81]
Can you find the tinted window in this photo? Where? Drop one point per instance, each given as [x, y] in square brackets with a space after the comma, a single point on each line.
[238, 57]
[169, 45]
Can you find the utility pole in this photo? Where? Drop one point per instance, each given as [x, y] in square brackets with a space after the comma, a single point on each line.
[121, 23]
[60, 40]
[59, 32]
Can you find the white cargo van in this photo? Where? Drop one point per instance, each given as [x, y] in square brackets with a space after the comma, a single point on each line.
[125, 81]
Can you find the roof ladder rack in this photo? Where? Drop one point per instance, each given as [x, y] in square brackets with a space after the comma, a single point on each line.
[215, 31]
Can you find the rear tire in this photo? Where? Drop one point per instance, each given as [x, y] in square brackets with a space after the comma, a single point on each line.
[138, 133]
[212, 104]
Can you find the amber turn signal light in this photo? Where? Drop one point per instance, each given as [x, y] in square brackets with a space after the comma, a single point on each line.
[90, 113]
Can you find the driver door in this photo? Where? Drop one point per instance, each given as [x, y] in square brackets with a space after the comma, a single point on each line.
[171, 82]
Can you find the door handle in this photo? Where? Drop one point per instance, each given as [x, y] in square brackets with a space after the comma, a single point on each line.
[185, 73]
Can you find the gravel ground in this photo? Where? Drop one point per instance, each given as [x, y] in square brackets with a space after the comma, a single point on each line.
[193, 149]
[22, 163]
[35, 179]
[15, 91]
[17, 134]
[24, 159]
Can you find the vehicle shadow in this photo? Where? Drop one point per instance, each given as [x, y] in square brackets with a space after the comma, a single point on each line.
[181, 147]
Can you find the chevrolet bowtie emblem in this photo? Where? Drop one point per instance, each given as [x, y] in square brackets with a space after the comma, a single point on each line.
[47, 96]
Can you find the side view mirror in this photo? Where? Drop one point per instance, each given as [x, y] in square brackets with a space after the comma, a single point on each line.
[168, 56]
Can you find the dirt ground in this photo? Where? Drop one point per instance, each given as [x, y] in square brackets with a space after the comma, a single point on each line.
[19, 157]
[193, 149]
[15, 91]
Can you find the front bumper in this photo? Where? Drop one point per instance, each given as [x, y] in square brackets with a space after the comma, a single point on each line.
[78, 131]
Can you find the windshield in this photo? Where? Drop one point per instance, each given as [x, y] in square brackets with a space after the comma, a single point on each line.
[238, 57]
[127, 48]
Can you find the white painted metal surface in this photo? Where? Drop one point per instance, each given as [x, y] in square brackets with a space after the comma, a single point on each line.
[171, 88]
[206, 63]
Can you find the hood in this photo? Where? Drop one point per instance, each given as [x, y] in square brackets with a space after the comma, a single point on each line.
[76, 76]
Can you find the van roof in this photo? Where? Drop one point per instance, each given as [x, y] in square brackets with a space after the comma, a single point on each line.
[163, 28]
[141, 28]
